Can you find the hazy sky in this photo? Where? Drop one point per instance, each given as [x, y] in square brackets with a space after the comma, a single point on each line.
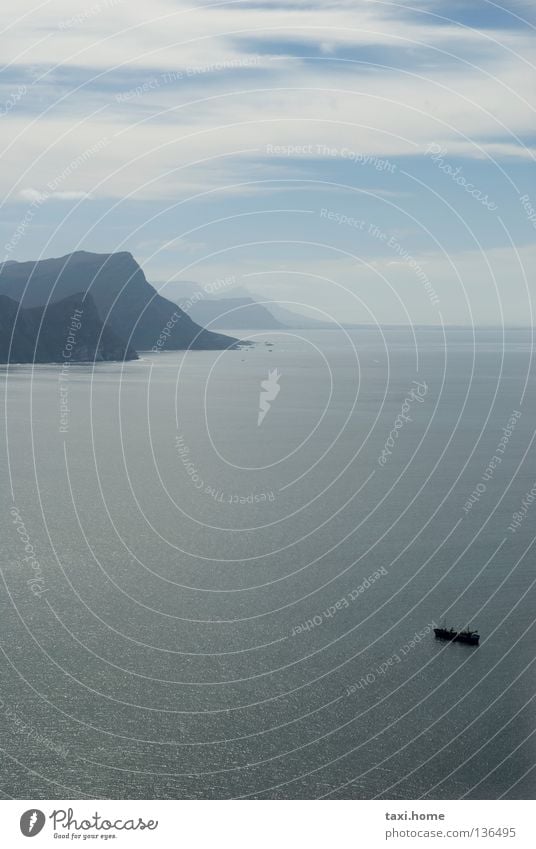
[369, 159]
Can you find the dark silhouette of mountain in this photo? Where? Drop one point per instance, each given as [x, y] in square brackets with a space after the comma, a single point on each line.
[65, 331]
[126, 302]
[16, 349]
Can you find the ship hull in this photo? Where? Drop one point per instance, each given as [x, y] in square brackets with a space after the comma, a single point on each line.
[456, 636]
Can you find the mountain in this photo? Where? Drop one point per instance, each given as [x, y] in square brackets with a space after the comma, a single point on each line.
[17, 349]
[234, 313]
[125, 301]
[296, 321]
[177, 290]
[237, 311]
[65, 331]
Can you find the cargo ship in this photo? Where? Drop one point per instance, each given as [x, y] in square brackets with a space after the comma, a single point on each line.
[465, 636]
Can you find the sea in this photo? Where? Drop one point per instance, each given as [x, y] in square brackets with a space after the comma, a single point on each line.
[221, 571]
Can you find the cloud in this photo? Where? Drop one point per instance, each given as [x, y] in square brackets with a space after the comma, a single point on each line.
[166, 111]
[383, 96]
[154, 142]
[34, 195]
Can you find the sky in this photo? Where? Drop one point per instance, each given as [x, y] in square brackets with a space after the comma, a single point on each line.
[360, 161]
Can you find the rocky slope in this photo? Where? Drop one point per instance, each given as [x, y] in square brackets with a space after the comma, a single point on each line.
[127, 304]
[69, 330]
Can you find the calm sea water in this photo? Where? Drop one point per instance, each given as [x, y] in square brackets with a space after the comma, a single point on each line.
[194, 617]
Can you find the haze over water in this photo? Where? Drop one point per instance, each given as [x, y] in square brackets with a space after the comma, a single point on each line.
[203, 624]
